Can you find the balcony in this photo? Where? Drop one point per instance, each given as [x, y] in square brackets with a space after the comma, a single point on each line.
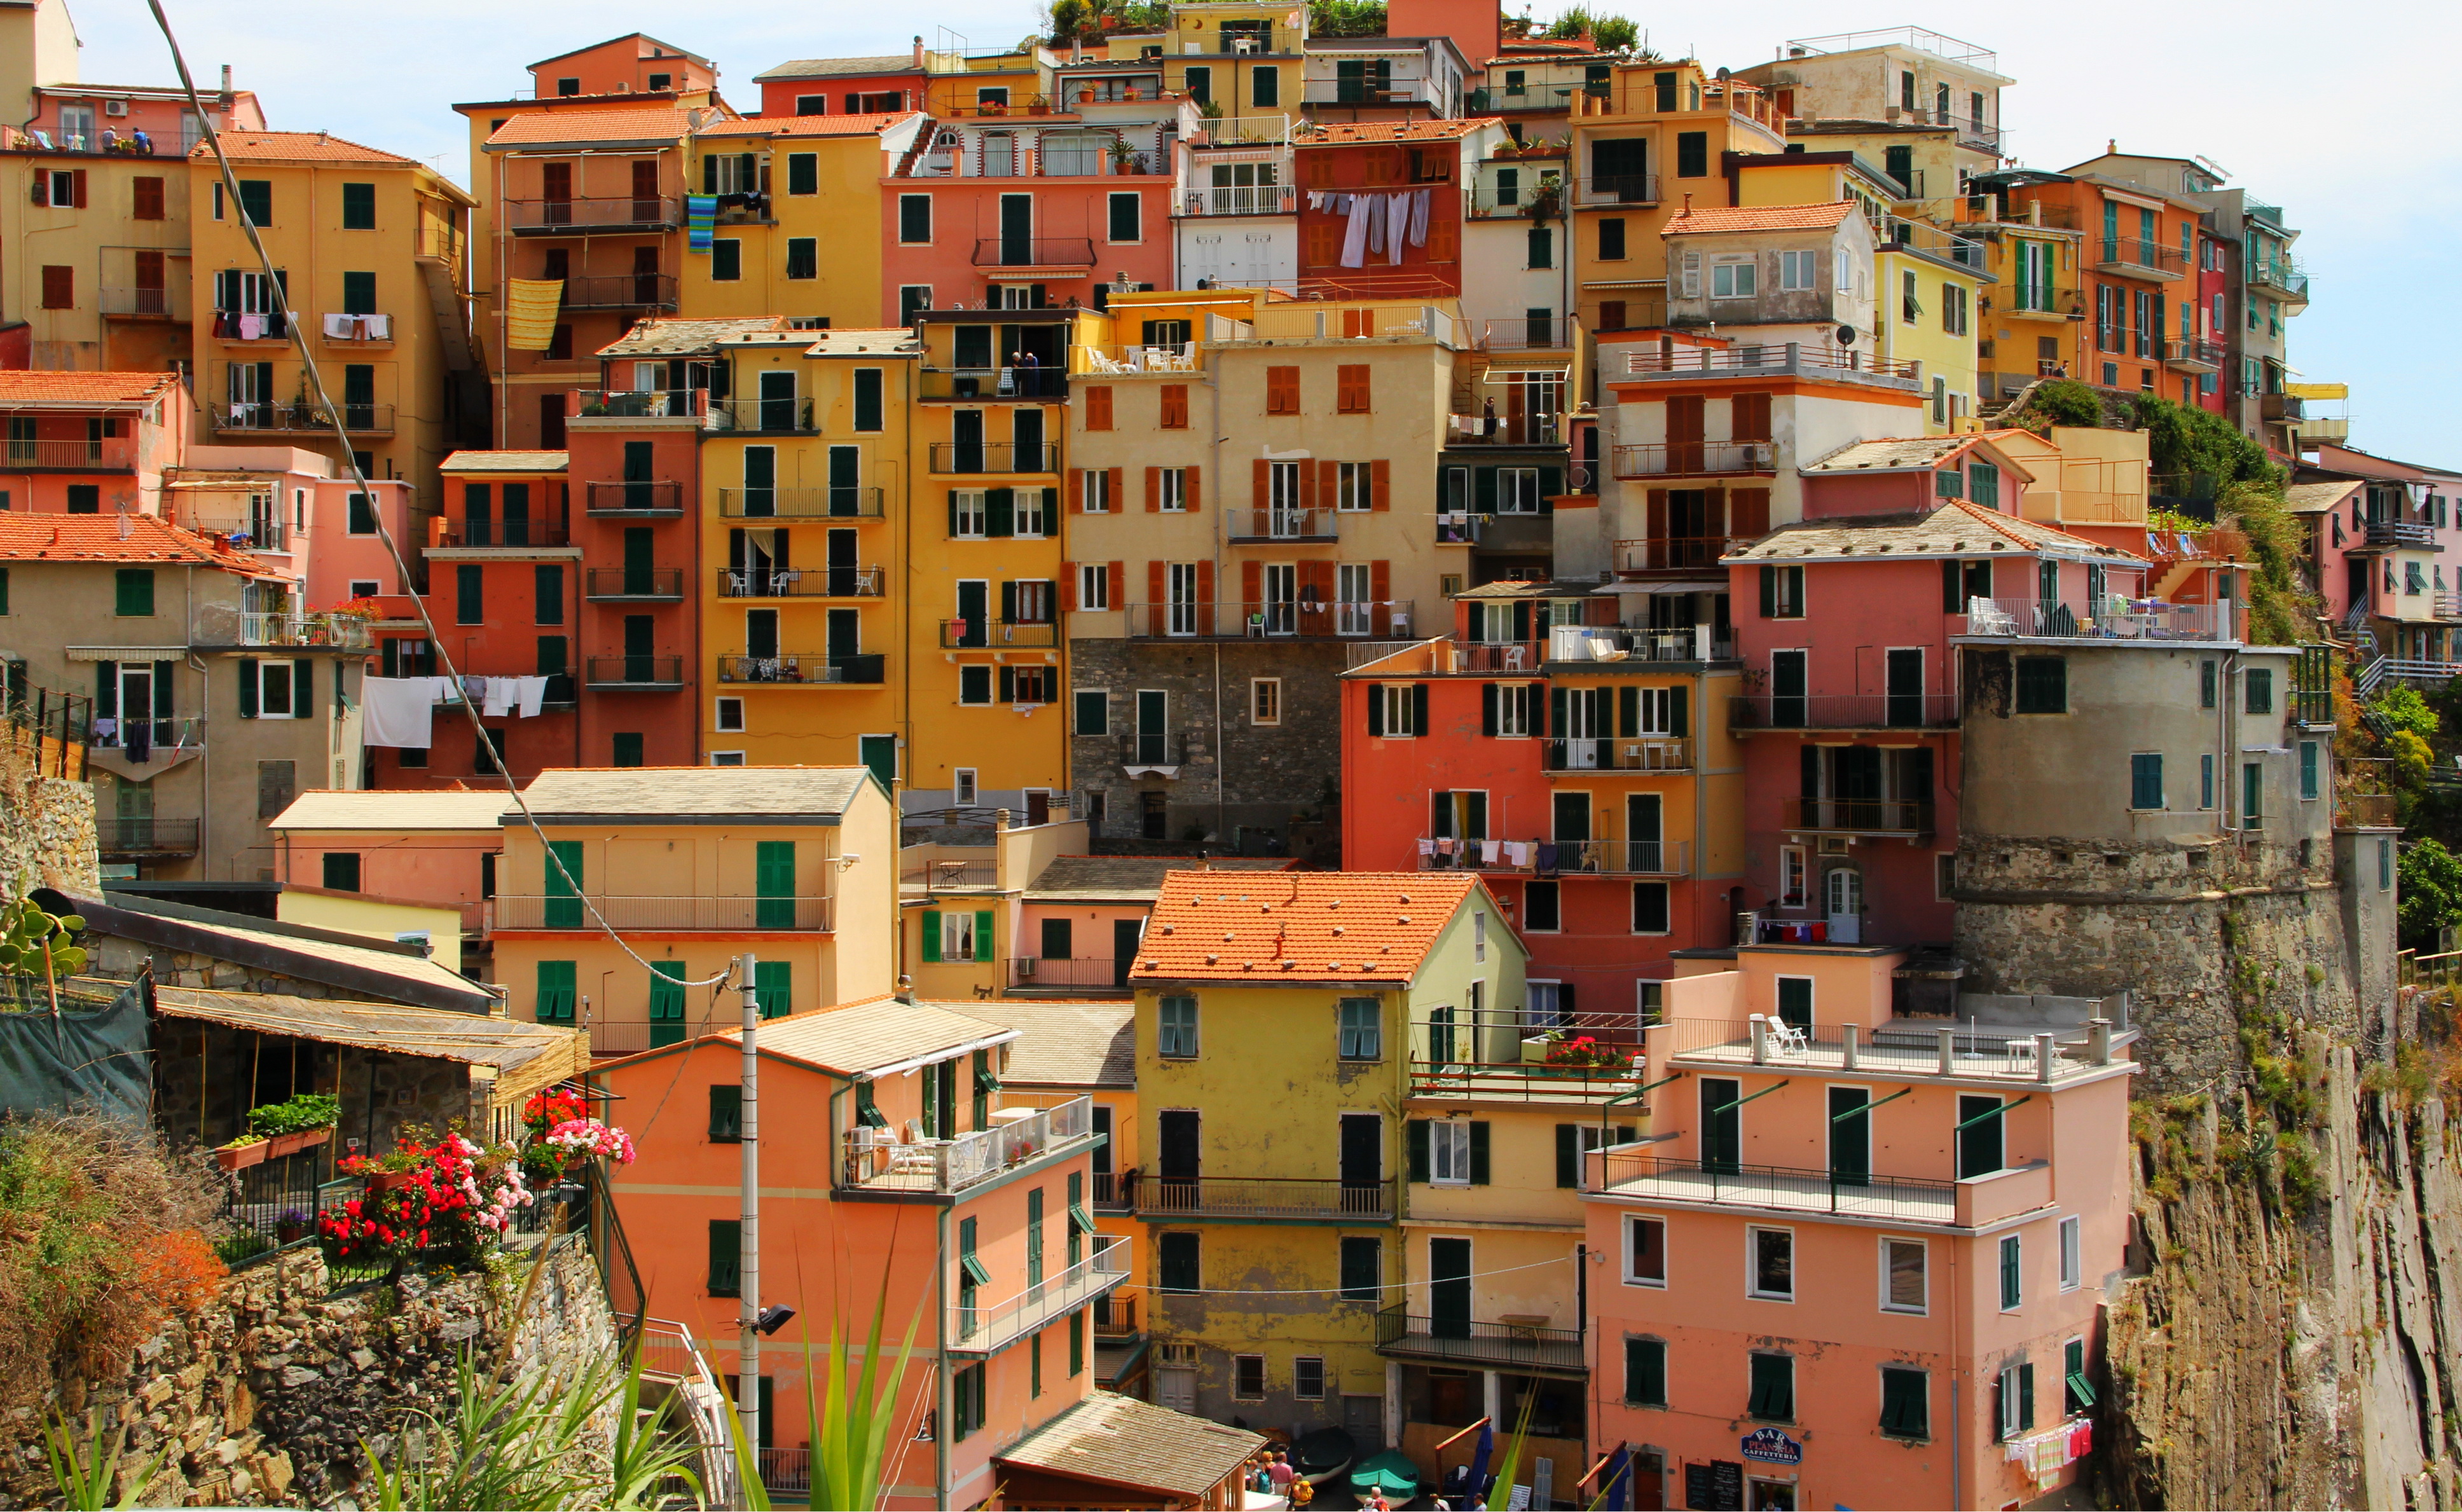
[620, 292]
[657, 403]
[801, 504]
[2042, 302]
[2407, 535]
[1499, 656]
[777, 415]
[1782, 1189]
[982, 1330]
[969, 385]
[1115, 1192]
[1530, 334]
[1844, 711]
[648, 585]
[498, 534]
[2283, 408]
[642, 499]
[686, 913]
[1062, 254]
[145, 304]
[1261, 199]
[1522, 1081]
[1229, 620]
[324, 631]
[644, 674]
[878, 1160]
[1768, 360]
[1503, 430]
[2280, 276]
[1855, 815]
[1116, 1317]
[132, 838]
[1617, 188]
[90, 454]
[1900, 1048]
[594, 215]
[1164, 1199]
[797, 582]
[1093, 974]
[805, 670]
[2134, 257]
[358, 330]
[1564, 858]
[1697, 459]
[1460, 1341]
[2365, 810]
[289, 420]
[1249, 526]
[2050, 619]
[2193, 356]
[1616, 754]
[1615, 643]
[994, 457]
[959, 635]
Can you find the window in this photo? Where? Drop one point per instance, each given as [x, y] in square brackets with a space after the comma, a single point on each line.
[1508, 709]
[1541, 242]
[1281, 391]
[967, 513]
[1649, 914]
[957, 936]
[725, 1113]
[1265, 700]
[1175, 406]
[2145, 780]
[1127, 218]
[725, 260]
[1093, 588]
[342, 871]
[1362, 1031]
[1782, 593]
[914, 218]
[1792, 876]
[1094, 490]
[2016, 1398]
[1308, 1371]
[1952, 309]
[1645, 1372]
[1905, 1412]
[1093, 711]
[2256, 684]
[2042, 686]
[726, 1255]
[1773, 1264]
[1352, 389]
[2072, 1256]
[1610, 235]
[803, 257]
[1449, 1150]
[1539, 908]
[1692, 154]
[1645, 1250]
[1248, 1377]
[730, 716]
[1773, 1381]
[2206, 781]
[1903, 1284]
[2013, 1277]
[358, 206]
[2252, 796]
[727, 758]
[1098, 407]
[1175, 1257]
[968, 1406]
[1733, 280]
[133, 593]
[1362, 1269]
[558, 980]
[1797, 270]
[1176, 1028]
[1396, 709]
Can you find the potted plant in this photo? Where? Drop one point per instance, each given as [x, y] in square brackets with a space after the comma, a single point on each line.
[292, 1224]
[240, 1154]
[301, 1123]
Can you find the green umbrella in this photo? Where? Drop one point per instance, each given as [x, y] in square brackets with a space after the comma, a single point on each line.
[1390, 1472]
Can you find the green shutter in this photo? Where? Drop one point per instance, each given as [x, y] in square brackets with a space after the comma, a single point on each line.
[1418, 708]
[773, 869]
[1376, 710]
[726, 1255]
[1679, 712]
[1479, 1153]
[725, 1113]
[1415, 1132]
[558, 985]
[983, 935]
[666, 1003]
[1077, 1343]
[931, 936]
[1645, 1372]
[133, 592]
[248, 687]
[303, 687]
[1568, 1155]
[774, 987]
[563, 886]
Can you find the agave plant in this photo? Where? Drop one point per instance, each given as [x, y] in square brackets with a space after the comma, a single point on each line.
[847, 1430]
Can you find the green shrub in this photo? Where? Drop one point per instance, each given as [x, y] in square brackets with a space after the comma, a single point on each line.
[2066, 401]
[305, 1112]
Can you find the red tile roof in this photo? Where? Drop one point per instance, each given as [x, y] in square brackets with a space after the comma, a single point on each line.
[629, 124]
[42, 387]
[809, 125]
[1297, 926]
[1346, 133]
[1759, 218]
[27, 537]
[300, 146]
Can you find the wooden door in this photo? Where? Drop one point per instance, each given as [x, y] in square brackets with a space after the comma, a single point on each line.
[1684, 432]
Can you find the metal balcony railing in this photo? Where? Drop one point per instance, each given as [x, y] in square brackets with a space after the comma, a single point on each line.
[1525, 1081]
[620, 292]
[1900, 1048]
[646, 673]
[1856, 815]
[1557, 858]
[2043, 301]
[802, 582]
[115, 836]
[2280, 274]
[961, 634]
[1088, 974]
[1503, 430]
[1617, 188]
[591, 403]
[2284, 407]
[993, 383]
[2195, 356]
[1768, 359]
[340, 632]
[1674, 553]
[1530, 332]
[1619, 643]
[366, 419]
[628, 582]
[1116, 1317]
[1658, 752]
[1696, 459]
[683, 912]
[1465, 1341]
[1224, 619]
[501, 534]
[1048, 252]
[1789, 1188]
[1266, 1197]
[847, 667]
[178, 732]
[1116, 1191]
[594, 213]
[878, 1159]
[1843, 711]
[1260, 199]
[638, 497]
[146, 304]
[2132, 252]
[1281, 525]
[801, 504]
[994, 456]
[775, 414]
[99, 454]
[2140, 619]
[984, 1328]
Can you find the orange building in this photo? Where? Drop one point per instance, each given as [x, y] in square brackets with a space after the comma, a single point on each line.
[2137, 253]
[1349, 174]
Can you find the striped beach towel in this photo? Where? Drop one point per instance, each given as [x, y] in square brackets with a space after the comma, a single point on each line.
[701, 221]
[529, 313]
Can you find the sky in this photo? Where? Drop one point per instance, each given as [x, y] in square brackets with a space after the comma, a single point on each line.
[2348, 139]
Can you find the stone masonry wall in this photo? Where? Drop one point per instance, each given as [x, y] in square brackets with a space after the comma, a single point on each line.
[47, 835]
[267, 1394]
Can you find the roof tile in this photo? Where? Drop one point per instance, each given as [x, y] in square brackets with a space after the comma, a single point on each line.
[1121, 1441]
[1063, 1044]
[808, 125]
[1718, 220]
[1346, 133]
[300, 146]
[1297, 926]
[629, 124]
[26, 537]
[35, 386]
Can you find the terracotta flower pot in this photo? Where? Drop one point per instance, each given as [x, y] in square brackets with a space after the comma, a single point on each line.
[293, 1143]
[239, 1158]
[380, 1183]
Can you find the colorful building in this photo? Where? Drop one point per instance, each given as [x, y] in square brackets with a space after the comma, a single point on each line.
[1863, 1254]
[429, 849]
[789, 187]
[303, 515]
[77, 440]
[1381, 213]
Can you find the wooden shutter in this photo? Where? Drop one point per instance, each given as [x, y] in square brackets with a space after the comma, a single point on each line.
[1380, 580]
[1487, 708]
[1769, 592]
[248, 687]
[1251, 585]
[1155, 591]
[1419, 723]
[1068, 585]
[1748, 513]
[1188, 487]
[1118, 574]
[1115, 495]
[1376, 710]
[77, 188]
[1076, 491]
[1264, 478]
[1679, 711]
[1657, 514]
[148, 205]
[931, 936]
[1479, 1157]
[1380, 484]
[1175, 406]
[43, 188]
[1098, 407]
[1750, 420]
[1154, 490]
[1205, 596]
[1309, 478]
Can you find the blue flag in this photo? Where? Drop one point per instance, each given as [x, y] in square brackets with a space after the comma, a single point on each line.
[1478, 1459]
[1619, 1487]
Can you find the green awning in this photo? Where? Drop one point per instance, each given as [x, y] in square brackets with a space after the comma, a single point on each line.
[974, 1269]
[1077, 1216]
[1390, 1472]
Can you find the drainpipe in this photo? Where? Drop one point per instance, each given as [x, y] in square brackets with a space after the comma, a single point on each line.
[204, 712]
[943, 1419]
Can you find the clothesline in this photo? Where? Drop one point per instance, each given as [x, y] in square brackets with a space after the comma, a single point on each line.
[402, 711]
[1379, 223]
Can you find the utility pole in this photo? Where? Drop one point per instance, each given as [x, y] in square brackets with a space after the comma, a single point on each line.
[748, 1369]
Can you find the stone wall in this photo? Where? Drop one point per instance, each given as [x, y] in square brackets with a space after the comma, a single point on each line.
[47, 835]
[267, 1394]
[128, 959]
[1235, 774]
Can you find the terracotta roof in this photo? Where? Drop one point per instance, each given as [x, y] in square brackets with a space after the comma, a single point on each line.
[666, 50]
[746, 796]
[1063, 1044]
[620, 124]
[1120, 1441]
[504, 462]
[809, 125]
[1717, 219]
[1905, 454]
[1297, 926]
[1343, 133]
[36, 386]
[1130, 879]
[300, 146]
[1958, 528]
[26, 537]
[841, 67]
[375, 808]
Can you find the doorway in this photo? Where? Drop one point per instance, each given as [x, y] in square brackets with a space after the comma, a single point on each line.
[1722, 1124]
[1842, 903]
[1449, 1288]
[1363, 1162]
[1177, 1160]
[1126, 933]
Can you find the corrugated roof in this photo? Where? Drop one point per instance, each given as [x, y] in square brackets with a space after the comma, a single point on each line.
[506, 462]
[1716, 220]
[1956, 529]
[872, 125]
[1120, 1441]
[660, 123]
[1297, 926]
[872, 1037]
[1346, 133]
[677, 338]
[389, 809]
[1130, 879]
[300, 146]
[841, 67]
[43, 386]
[1064, 1043]
[26, 537]
[506, 1044]
[691, 794]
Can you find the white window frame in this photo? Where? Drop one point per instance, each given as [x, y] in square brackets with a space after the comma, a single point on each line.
[957, 934]
[727, 758]
[1752, 1261]
[2072, 1235]
[1262, 693]
[1355, 487]
[1734, 277]
[1513, 711]
[1533, 1015]
[1923, 1248]
[1798, 271]
[1517, 491]
[727, 717]
[1631, 1223]
[1649, 1001]
[1399, 707]
[1030, 521]
[1479, 935]
[2007, 1239]
[973, 513]
[1172, 486]
[1167, 1037]
[1449, 1151]
[1095, 586]
[2010, 1427]
[1095, 496]
[1794, 876]
[963, 789]
[365, 587]
[290, 675]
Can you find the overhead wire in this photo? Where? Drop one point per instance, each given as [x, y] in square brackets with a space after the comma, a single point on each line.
[229, 184]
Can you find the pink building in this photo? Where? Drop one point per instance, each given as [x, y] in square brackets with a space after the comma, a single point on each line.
[291, 509]
[106, 118]
[880, 84]
[1861, 1258]
[91, 442]
[437, 848]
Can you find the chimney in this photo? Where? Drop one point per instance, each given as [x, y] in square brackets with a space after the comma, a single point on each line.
[1795, 52]
[230, 96]
[919, 52]
[2111, 145]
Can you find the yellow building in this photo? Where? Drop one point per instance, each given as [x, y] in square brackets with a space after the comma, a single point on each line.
[1274, 1019]
[695, 865]
[371, 249]
[437, 926]
[98, 275]
[808, 242]
[808, 607]
[962, 904]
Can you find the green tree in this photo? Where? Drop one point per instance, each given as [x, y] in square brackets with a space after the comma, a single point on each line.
[2406, 708]
[1347, 18]
[2432, 891]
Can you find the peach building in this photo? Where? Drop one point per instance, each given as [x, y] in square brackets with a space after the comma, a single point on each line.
[1860, 1257]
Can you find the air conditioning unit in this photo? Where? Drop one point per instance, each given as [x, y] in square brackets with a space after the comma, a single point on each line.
[114, 107]
[1025, 966]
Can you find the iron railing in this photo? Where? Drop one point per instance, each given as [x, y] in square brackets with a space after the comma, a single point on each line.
[593, 213]
[983, 1329]
[146, 304]
[801, 504]
[1266, 1197]
[802, 582]
[1273, 620]
[1042, 252]
[459, 534]
[1792, 1188]
[993, 383]
[638, 496]
[1085, 974]
[1281, 525]
[866, 668]
[1467, 1341]
[369, 420]
[147, 836]
[2135, 251]
[1649, 752]
[336, 631]
[959, 634]
[104, 453]
[658, 915]
[1614, 644]
[1617, 188]
[994, 456]
[775, 414]
[1519, 1081]
[1694, 459]
[878, 1159]
[654, 672]
[2148, 619]
[1560, 858]
[1669, 553]
[620, 292]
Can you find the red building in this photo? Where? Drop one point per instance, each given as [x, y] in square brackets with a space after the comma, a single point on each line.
[884, 85]
[1349, 173]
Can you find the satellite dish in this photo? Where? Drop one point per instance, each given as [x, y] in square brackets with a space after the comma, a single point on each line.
[1846, 335]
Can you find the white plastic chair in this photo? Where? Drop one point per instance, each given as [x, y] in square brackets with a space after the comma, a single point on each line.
[1786, 1038]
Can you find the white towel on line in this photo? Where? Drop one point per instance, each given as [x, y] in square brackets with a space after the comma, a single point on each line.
[1398, 225]
[399, 712]
[499, 697]
[532, 690]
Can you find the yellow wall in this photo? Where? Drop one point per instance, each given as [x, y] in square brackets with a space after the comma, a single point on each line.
[99, 244]
[1947, 356]
[377, 918]
[843, 216]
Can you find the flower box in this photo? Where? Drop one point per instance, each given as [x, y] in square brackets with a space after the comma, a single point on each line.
[240, 1157]
[380, 1183]
[286, 1144]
